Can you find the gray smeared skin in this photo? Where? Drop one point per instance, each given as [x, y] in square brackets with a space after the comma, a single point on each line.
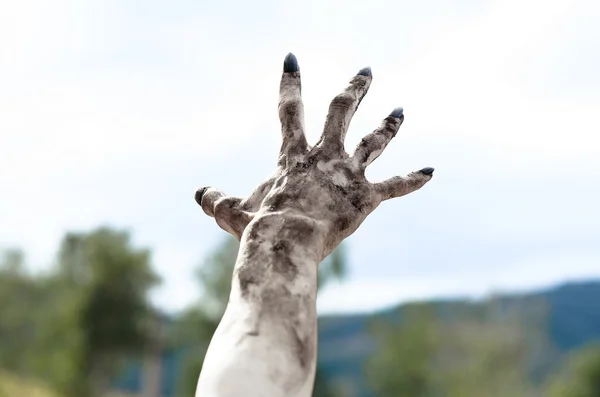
[266, 342]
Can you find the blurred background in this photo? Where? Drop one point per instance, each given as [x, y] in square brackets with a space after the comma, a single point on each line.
[486, 282]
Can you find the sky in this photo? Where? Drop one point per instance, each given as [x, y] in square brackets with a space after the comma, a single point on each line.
[114, 112]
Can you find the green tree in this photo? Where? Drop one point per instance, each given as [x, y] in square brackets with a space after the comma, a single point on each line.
[487, 355]
[23, 298]
[197, 324]
[100, 312]
[580, 375]
[406, 347]
[488, 349]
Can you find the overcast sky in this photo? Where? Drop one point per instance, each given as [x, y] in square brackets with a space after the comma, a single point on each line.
[114, 112]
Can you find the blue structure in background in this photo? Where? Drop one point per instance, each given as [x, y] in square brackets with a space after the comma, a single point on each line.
[131, 380]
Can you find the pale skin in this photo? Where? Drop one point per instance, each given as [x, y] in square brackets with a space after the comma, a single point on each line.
[266, 342]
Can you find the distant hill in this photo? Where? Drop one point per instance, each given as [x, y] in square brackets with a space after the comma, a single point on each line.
[573, 320]
[344, 342]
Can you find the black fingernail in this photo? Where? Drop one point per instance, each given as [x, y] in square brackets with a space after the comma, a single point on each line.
[290, 64]
[397, 113]
[365, 72]
[427, 170]
[199, 193]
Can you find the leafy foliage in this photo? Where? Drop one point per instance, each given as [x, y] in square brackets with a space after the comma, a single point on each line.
[406, 351]
[74, 326]
[23, 299]
[481, 350]
[11, 386]
[580, 376]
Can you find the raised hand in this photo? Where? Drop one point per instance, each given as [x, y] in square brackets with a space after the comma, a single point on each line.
[322, 185]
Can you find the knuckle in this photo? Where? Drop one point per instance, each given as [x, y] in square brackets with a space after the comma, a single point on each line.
[290, 107]
[223, 208]
[343, 100]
